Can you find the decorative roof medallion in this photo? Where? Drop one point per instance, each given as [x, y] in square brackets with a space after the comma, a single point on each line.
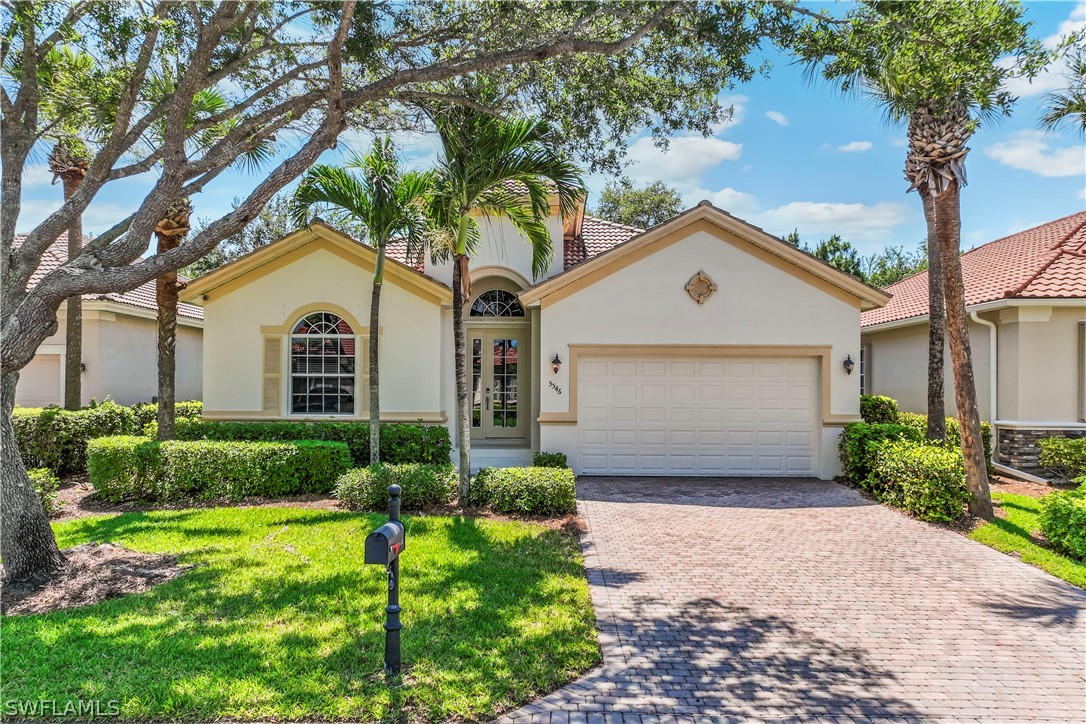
[700, 287]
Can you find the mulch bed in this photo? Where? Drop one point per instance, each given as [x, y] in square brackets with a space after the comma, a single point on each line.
[94, 572]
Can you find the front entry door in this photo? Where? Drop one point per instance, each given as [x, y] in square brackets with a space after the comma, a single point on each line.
[498, 409]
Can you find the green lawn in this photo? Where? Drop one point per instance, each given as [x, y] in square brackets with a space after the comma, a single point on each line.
[280, 620]
[1013, 535]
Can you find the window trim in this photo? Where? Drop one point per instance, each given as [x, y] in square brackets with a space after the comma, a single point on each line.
[865, 369]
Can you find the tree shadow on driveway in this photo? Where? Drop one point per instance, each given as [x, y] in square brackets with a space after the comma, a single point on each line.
[764, 493]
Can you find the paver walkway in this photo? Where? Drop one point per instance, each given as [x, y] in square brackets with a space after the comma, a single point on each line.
[771, 599]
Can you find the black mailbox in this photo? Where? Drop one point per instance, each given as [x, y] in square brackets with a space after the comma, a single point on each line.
[385, 544]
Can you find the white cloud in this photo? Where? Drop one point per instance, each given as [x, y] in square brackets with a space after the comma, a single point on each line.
[1082, 193]
[734, 202]
[35, 176]
[815, 219]
[855, 146]
[777, 117]
[738, 104]
[33, 211]
[1030, 151]
[685, 160]
[1054, 77]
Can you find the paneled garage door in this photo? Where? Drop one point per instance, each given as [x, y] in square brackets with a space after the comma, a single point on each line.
[698, 416]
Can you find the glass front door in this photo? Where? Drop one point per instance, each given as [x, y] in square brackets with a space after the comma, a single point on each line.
[497, 408]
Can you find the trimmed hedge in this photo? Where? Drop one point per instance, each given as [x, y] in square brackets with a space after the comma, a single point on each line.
[878, 410]
[550, 460]
[860, 443]
[953, 431]
[55, 438]
[1064, 456]
[367, 488]
[525, 491]
[46, 484]
[137, 467]
[926, 480]
[1063, 520]
[147, 412]
[401, 443]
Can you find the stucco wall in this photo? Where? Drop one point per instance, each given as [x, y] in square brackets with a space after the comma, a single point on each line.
[898, 368]
[646, 303]
[233, 350]
[121, 357]
[1037, 364]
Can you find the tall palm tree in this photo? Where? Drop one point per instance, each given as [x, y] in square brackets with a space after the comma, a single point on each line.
[388, 204]
[69, 162]
[499, 168]
[1069, 105]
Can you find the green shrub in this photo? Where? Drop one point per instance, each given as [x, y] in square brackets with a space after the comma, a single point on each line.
[1064, 456]
[46, 484]
[147, 412]
[926, 480]
[1063, 520]
[401, 443]
[860, 442]
[55, 438]
[953, 431]
[525, 491]
[550, 460]
[137, 467]
[367, 488]
[878, 410]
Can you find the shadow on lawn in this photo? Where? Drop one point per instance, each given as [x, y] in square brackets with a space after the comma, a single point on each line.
[256, 631]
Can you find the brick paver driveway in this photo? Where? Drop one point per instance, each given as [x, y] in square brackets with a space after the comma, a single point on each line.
[763, 599]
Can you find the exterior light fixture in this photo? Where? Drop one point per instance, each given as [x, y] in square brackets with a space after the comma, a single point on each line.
[556, 363]
[849, 364]
[82, 366]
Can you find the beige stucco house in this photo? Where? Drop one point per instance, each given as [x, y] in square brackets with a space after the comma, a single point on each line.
[1026, 296]
[702, 346]
[120, 338]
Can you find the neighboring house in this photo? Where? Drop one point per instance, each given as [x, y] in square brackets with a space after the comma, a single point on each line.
[1026, 295]
[703, 346]
[120, 346]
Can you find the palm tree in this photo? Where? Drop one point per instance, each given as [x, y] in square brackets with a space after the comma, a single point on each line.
[1069, 105]
[69, 162]
[500, 168]
[388, 204]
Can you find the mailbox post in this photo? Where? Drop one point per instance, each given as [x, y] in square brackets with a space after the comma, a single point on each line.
[383, 546]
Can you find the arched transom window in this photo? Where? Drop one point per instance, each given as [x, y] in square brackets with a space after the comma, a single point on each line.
[322, 366]
[497, 303]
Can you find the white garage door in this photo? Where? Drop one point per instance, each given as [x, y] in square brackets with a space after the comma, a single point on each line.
[39, 382]
[702, 416]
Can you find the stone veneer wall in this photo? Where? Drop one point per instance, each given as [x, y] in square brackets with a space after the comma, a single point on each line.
[1018, 447]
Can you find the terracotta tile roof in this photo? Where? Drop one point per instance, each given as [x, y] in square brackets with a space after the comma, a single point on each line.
[1045, 262]
[142, 296]
[597, 236]
[397, 249]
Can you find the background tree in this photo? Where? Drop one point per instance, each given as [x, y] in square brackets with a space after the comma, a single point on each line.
[502, 168]
[640, 206]
[945, 64]
[835, 251]
[1068, 106]
[893, 264]
[600, 72]
[387, 204]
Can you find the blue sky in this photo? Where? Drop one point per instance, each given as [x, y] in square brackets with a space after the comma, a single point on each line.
[797, 154]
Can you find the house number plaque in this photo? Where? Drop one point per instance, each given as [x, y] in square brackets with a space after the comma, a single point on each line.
[555, 387]
[700, 287]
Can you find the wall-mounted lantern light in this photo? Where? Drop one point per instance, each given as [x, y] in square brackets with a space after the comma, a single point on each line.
[849, 364]
[82, 366]
[556, 363]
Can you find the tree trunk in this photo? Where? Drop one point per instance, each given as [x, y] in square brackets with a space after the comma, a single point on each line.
[936, 326]
[27, 544]
[73, 326]
[948, 230]
[460, 352]
[375, 401]
[166, 297]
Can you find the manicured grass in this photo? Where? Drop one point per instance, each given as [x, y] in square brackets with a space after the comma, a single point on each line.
[280, 620]
[1013, 535]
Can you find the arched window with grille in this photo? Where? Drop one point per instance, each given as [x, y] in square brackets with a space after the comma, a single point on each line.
[323, 360]
[497, 303]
